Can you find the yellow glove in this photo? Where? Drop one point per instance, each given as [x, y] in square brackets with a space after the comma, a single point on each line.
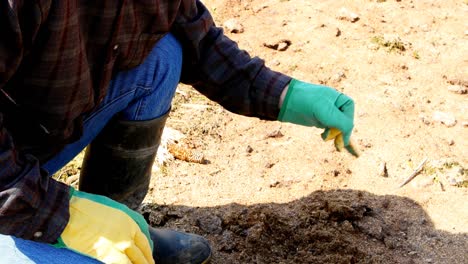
[106, 230]
[337, 136]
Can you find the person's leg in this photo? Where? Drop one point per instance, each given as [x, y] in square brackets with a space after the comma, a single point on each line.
[143, 93]
[20, 251]
[118, 161]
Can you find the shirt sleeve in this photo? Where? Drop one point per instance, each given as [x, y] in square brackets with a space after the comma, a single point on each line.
[216, 67]
[32, 205]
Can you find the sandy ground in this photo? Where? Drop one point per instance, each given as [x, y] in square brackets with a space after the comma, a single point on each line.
[276, 193]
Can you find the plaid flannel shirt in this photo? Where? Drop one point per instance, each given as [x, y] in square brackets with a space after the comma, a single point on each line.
[56, 60]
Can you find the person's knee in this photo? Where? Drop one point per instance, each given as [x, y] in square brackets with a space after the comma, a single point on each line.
[157, 82]
[175, 48]
[170, 56]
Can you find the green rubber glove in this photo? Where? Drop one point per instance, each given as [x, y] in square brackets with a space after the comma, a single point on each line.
[319, 106]
[106, 230]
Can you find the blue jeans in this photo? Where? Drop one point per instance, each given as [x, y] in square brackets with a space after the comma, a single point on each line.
[142, 93]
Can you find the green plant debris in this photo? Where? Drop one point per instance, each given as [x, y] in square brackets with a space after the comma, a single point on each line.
[293, 67]
[463, 184]
[430, 170]
[451, 164]
[440, 172]
[164, 170]
[70, 173]
[394, 45]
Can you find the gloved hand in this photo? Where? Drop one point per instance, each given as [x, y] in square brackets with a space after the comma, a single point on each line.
[106, 230]
[323, 107]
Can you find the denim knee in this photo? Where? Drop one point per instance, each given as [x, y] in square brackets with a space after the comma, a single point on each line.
[163, 65]
[170, 55]
[158, 78]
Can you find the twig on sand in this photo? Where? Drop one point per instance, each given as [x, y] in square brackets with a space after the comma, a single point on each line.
[72, 180]
[196, 106]
[414, 174]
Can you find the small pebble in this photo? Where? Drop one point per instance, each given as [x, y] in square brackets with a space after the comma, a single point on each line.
[452, 181]
[444, 118]
[275, 62]
[458, 89]
[345, 14]
[249, 149]
[424, 119]
[282, 46]
[275, 134]
[233, 26]
[274, 184]
[337, 32]
[338, 77]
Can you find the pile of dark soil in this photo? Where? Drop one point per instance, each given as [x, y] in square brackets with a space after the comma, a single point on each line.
[325, 227]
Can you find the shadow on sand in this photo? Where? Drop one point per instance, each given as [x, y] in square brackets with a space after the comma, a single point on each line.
[339, 226]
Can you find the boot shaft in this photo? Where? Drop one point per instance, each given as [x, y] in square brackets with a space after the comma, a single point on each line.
[118, 162]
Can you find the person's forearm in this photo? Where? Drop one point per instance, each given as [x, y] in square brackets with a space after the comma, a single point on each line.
[219, 69]
[33, 206]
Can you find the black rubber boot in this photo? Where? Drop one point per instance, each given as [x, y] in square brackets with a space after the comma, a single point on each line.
[118, 163]
[178, 247]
